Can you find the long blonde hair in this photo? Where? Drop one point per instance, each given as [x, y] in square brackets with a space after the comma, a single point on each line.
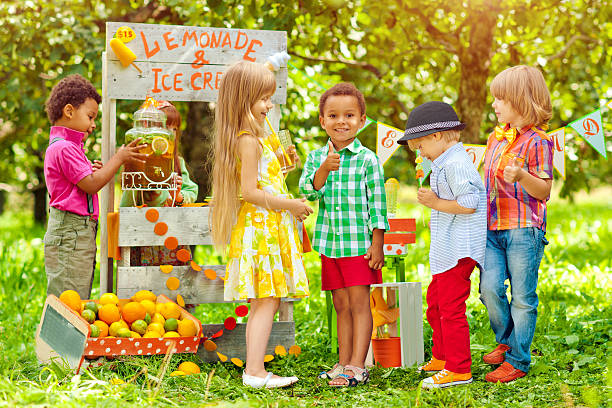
[243, 84]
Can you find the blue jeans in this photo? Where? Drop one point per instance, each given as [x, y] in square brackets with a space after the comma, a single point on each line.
[514, 255]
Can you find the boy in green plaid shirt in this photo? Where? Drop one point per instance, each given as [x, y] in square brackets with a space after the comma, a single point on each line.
[348, 181]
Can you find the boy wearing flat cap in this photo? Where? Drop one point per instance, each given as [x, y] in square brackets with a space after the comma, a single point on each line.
[458, 237]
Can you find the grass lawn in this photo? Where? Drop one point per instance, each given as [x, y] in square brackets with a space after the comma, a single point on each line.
[570, 363]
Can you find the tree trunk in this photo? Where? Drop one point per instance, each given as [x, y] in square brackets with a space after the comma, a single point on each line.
[475, 61]
[196, 145]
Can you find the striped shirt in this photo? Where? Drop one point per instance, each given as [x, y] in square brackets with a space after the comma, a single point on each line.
[454, 236]
[352, 202]
[509, 205]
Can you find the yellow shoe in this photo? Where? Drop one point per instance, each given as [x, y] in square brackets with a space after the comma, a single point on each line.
[447, 378]
[433, 365]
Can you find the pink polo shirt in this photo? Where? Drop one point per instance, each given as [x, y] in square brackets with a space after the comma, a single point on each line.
[66, 165]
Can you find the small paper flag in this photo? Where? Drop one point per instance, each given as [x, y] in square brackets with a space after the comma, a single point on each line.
[268, 357]
[237, 361]
[476, 153]
[367, 123]
[590, 128]
[558, 139]
[386, 141]
[222, 357]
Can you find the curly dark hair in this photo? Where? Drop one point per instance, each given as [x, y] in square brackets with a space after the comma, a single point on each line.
[73, 90]
[343, 88]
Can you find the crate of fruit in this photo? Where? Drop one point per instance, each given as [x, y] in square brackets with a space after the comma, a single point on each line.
[72, 329]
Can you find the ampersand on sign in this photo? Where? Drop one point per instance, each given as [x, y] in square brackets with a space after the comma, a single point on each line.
[388, 140]
[591, 127]
[199, 61]
[470, 151]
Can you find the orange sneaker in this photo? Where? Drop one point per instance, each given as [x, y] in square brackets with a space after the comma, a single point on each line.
[433, 365]
[497, 356]
[447, 378]
[504, 373]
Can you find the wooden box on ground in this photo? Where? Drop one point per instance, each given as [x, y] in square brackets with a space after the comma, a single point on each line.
[191, 227]
[64, 336]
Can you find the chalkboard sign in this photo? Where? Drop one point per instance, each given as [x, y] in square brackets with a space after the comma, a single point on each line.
[61, 335]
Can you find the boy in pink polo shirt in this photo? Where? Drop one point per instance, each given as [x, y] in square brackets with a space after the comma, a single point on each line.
[73, 183]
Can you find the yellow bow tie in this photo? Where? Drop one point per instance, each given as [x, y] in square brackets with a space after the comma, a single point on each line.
[509, 134]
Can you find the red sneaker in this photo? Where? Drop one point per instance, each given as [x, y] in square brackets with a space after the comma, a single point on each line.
[504, 373]
[497, 356]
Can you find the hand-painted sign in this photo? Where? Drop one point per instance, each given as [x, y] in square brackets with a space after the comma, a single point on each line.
[186, 63]
[558, 139]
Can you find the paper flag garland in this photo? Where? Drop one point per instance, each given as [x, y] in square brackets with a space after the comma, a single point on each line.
[367, 123]
[558, 139]
[590, 128]
[386, 141]
[476, 153]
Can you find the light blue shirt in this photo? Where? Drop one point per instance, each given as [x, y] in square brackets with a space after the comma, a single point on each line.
[455, 236]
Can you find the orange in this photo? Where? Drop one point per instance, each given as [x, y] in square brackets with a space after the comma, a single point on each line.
[109, 298]
[109, 313]
[143, 295]
[133, 311]
[170, 310]
[156, 327]
[103, 328]
[71, 299]
[187, 328]
[149, 306]
[189, 368]
[158, 318]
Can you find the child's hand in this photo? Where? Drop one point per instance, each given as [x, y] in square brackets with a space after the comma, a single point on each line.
[130, 153]
[427, 197]
[292, 152]
[376, 256]
[332, 162]
[299, 208]
[97, 165]
[513, 172]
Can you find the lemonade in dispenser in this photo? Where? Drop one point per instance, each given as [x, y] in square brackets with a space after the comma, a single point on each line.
[157, 173]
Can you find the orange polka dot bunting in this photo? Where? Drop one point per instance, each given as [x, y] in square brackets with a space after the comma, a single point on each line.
[268, 357]
[195, 266]
[222, 357]
[237, 361]
[242, 310]
[180, 300]
[230, 323]
[152, 215]
[166, 268]
[171, 243]
[173, 283]
[210, 345]
[183, 255]
[210, 274]
[160, 228]
[217, 334]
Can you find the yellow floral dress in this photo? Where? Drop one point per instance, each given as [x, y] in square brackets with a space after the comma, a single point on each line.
[265, 248]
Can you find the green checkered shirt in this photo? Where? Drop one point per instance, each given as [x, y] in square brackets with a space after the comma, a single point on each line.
[352, 202]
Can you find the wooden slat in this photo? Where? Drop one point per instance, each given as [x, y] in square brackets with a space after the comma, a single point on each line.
[188, 224]
[409, 238]
[233, 342]
[402, 224]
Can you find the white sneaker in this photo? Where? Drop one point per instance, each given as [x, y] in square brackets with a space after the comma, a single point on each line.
[267, 381]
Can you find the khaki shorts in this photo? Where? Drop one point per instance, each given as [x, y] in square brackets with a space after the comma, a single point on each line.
[70, 252]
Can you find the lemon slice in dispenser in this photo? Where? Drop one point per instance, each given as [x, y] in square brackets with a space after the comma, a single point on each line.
[159, 145]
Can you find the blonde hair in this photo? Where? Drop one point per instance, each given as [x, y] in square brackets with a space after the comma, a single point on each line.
[452, 135]
[242, 85]
[525, 89]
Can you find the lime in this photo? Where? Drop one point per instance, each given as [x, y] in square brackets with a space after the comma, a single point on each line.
[159, 146]
[123, 332]
[171, 324]
[93, 306]
[88, 315]
[147, 318]
[139, 326]
[95, 330]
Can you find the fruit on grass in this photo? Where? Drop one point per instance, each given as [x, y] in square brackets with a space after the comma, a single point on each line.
[114, 328]
[109, 298]
[133, 311]
[144, 295]
[72, 299]
[109, 313]
[88, 315]
[171, 334]
[102, 326]
[177, 374]
[170, 309]
[187, 328]
[189, 368]
[171, 324]
[156, 327]
[149, 306]
[139, 326]
[95, 330]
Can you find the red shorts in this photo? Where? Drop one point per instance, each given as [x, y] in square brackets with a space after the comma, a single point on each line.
[337, 273]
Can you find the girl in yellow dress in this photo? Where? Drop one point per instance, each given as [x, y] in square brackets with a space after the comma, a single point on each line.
[265, 252]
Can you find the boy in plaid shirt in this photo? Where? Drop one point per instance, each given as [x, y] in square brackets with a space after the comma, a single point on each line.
[348, 181]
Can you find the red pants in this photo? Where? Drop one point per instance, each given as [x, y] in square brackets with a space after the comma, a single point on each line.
[446, 298]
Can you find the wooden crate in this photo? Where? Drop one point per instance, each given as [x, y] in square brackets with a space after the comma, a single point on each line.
[191, 227]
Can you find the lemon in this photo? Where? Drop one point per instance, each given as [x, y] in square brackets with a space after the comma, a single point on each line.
[151, 334]
[156, 327]
[143, 295]
[187, 328]
[177, 374]
[170, 310]
[149, 306]
[171, 324]
[172, 334]
[159, 145]
[135, 335]
[109, 298]
[158, 318]
[114, 328]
